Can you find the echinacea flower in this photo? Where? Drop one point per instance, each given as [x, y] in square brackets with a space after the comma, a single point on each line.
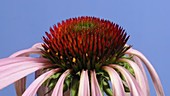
[84, 56]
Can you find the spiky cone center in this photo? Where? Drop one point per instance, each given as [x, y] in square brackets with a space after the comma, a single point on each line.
[84, 43]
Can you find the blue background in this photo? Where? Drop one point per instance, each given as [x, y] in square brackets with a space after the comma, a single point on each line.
[23, 23]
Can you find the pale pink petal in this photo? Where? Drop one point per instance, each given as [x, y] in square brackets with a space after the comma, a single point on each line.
[20, 86]
[15, 67]
[140, 64]
[26, 52]
[32, 89]
[138, 75]
[7, 61]
[42, 89]
[95, 89]
[128, 94]
[117, 86]
[37, 46]
[88, 86]
[153, 73]
[81, 84]
[58, 89]
[15, 73]
[84, 88]
[134, 87]
[36, 49]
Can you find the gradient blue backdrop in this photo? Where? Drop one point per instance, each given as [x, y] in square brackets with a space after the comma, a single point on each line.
[23, 23]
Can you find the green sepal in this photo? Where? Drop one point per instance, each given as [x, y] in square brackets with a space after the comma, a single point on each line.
[100, 79]
[107, 88]
[67, 83]
[51, 81]
[103, 80]
[127, 66]
[123, 80]
[74, 85]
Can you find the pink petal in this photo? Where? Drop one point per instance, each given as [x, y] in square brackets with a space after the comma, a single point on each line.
[42, 89]
[15, 67]
[15, 73]
[37, 46]
[26, 52]
[153, 73]
[81, 84]
[95, 89]
[6, 61]
[20, 86]
[87, 80]
[128, 94]
[84, 88]
[32, 89]
[36, 49]
[138, 74]
[140, 64]
[117, 86]
[58, 89]
[134, 87]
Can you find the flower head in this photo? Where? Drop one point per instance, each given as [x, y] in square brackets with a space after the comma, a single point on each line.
[84, 43]
[84, 56]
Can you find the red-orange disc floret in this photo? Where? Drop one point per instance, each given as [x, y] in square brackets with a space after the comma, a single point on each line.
[84, 43]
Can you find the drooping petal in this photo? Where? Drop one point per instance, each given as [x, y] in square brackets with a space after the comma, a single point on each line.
[26, 52]
[153, 73]
[58, 89]
[138, 75]
[32, 89]
[19, 72]
[15, 67]
[140, 64]
[22, 82]
[37, 46]
[20, 86]
[95, 89]
[84, 88]
[88, 86]
[116, 81]
[7, 61]
[134, 87]
[81, 91]
[42, 89]
[36, 49]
